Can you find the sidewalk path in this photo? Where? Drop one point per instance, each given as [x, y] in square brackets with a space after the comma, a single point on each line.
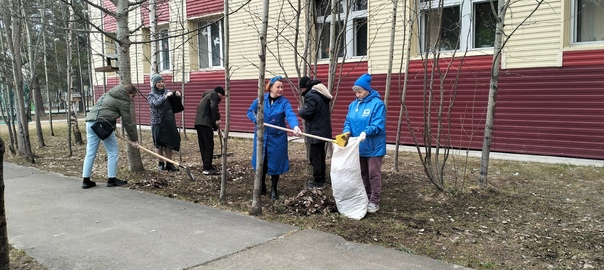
[65, 227]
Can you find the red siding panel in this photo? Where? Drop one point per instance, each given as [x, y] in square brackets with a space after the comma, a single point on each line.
[546, 111]
[583, 58]
[109, 24]
[196, 8]
[162, 9]
[542, 111]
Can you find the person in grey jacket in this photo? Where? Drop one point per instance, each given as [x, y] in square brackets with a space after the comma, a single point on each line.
[317, 116]
[207, 118]
[166, 137]
[110, 106]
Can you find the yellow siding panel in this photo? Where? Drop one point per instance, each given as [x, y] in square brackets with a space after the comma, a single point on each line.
[379, 33]
[136, 50]
[244, 43]
[179, 51]
[538, 41]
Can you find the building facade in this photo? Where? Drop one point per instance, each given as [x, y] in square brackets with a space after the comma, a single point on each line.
[550, 94]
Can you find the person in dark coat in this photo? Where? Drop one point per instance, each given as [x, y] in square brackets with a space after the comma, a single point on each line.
[317, 116]
[277, 110]
[166, 137]
[110, 106]
[207, 119]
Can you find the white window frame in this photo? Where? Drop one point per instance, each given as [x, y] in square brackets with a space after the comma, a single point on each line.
[350, 41]
[164, 64]
[574, 25]
[208, 46]
[466, 35]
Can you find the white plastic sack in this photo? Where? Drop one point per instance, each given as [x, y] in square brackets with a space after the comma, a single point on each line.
[346, 182]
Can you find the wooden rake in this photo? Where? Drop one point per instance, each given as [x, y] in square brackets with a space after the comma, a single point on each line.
[340, 140]
[159, 156]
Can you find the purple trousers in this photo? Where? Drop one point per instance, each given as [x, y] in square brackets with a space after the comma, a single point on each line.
[371, 172]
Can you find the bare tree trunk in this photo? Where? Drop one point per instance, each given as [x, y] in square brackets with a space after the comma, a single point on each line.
[39, 106]
[153, 33]
[498, 47]
[390, 55]
[81, 77]
[34, 86]
[74, 49]
[52, 132]
[89, 57]
[7, 121]
[10, 119]
[123, 55]
[14, 34]
[256, 206]
[69, 76]
[182, 84]
[407, 49]
[4, 247]
[227, 106]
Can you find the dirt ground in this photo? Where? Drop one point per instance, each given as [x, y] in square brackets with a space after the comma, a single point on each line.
[534, 216]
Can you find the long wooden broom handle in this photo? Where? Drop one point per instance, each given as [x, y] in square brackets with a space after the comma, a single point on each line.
[148, 151]
[301, 133]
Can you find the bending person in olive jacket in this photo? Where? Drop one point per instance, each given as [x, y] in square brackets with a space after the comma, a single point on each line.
[110, 106]
[277, 109]
[207, 118]
[317, 116]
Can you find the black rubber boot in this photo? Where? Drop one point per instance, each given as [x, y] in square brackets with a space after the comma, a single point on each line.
[86, 183]
[274, 192]
[263, 188]
[161, 166]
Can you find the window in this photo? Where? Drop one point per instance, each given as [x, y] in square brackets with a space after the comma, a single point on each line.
[164, 51]
[588, 21]
[210, 40]
[458, 25]
[353, 26]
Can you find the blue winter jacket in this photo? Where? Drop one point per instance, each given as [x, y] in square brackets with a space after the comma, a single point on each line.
[369, 116]
[275, 140]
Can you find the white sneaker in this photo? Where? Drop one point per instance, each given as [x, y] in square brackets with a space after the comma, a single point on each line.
[372, 208]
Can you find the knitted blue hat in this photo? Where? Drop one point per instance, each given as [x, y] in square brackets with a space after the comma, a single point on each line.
[365, 82]
[155, 78]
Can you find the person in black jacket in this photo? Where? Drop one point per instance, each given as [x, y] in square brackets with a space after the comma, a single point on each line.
[207, 119]
[317, 116]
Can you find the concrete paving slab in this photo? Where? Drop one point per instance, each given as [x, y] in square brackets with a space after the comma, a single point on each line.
[311, 249]
[65, 227]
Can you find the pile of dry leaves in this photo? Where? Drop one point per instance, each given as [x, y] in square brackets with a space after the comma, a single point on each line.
[310, 201]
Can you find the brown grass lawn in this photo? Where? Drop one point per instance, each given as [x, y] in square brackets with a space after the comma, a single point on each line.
[533, 216]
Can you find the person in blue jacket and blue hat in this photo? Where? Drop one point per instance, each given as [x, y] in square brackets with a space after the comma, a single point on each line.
[366, 119]
[277, 109]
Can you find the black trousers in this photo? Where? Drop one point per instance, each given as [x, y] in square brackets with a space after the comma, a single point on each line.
[317, 160]
[205, 138]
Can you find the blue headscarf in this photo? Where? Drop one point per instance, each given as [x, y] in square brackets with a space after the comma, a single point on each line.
[272, 81]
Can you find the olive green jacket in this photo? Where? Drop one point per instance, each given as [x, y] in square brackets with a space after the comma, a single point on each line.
[112, 105]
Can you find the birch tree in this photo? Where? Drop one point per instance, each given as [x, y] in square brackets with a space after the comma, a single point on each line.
[227, 105]
[4, 247]
[122, 38]
[11, 15]
[256, 206]
[501, 39]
